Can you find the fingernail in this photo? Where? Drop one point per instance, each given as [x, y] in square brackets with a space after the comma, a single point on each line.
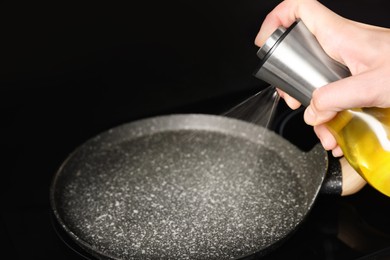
[309, 116]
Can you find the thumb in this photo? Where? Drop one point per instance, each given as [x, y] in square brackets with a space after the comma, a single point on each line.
[311, 12]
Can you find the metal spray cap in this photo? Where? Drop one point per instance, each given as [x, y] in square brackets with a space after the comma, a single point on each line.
[293, 61]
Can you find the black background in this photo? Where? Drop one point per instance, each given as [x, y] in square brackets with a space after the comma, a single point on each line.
[69, 70]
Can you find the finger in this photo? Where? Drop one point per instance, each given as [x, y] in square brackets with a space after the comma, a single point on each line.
[326, 138]
[328, 141]
[282, 15]
[337, 152]
[312, 13]
[313, 116]
[291, 102]
[366, 89]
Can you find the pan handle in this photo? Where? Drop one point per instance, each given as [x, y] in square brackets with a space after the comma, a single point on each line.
[341, 178]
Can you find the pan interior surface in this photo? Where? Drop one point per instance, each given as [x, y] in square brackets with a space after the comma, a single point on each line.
[181, 192]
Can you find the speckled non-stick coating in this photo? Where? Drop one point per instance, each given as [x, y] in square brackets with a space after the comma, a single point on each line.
[185, 187]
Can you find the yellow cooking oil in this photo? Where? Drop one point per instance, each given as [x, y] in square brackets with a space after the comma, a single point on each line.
[364, 136]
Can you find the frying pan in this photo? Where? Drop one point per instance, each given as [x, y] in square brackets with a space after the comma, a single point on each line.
[187, 186]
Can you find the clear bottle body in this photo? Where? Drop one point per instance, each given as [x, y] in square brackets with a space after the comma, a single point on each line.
[364, 137]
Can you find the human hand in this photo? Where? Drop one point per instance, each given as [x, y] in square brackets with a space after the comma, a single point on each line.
[363, 48]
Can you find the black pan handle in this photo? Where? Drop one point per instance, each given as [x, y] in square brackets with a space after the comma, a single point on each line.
[341, 178]
[333, 182]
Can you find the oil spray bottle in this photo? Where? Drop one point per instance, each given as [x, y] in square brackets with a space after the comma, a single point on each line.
[293, 61]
